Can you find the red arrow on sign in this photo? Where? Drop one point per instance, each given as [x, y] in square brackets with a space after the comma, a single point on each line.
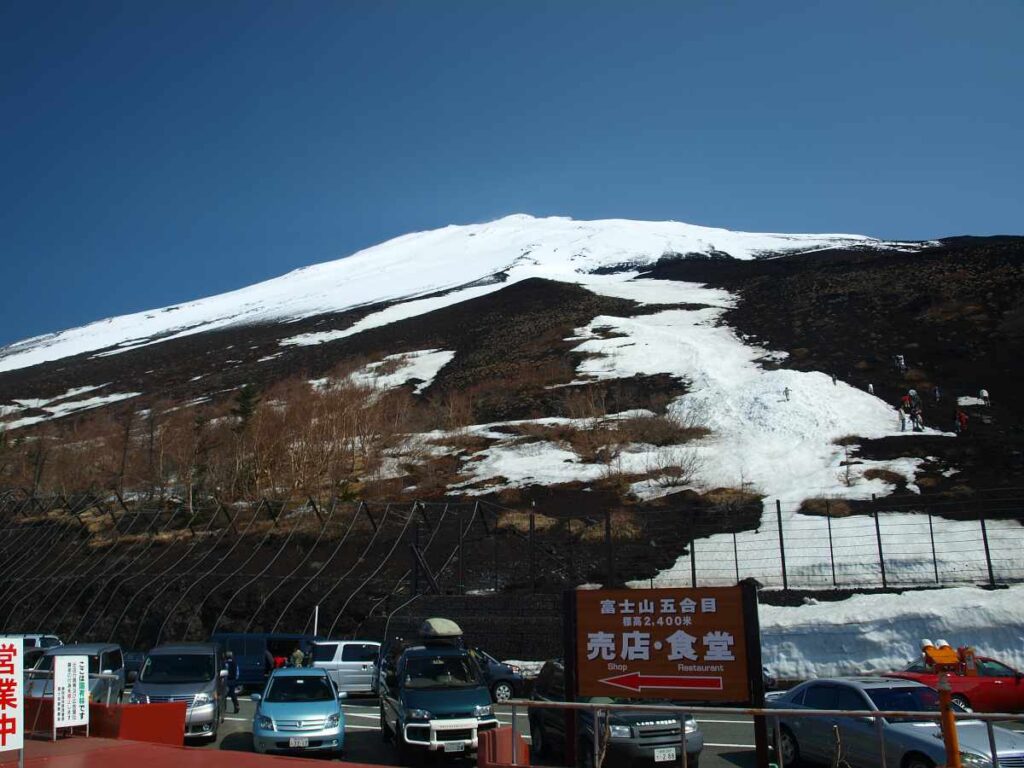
[634, 681]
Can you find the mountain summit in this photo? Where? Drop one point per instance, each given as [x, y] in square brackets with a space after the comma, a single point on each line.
[499, 252]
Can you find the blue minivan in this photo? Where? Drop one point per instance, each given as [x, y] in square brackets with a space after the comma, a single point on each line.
[254, 652]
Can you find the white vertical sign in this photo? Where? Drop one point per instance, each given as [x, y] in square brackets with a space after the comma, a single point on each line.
[70, 691]
[12, 694]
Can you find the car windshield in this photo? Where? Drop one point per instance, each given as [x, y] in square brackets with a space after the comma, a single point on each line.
[292, 688]
[440, 672]
[179, 668]
[907, 699]
[46, 664]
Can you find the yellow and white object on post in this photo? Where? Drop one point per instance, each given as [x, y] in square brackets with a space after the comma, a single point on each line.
[12, 695]
[70, 692]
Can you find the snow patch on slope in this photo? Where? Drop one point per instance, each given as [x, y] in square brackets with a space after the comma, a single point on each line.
[415, 265]
[882, 633]
[396, 370]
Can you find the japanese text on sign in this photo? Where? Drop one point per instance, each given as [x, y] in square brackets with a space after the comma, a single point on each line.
[684, 644]
[12, 695]
[70, 691]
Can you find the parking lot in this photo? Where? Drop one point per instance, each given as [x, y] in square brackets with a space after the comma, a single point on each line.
[729, 740]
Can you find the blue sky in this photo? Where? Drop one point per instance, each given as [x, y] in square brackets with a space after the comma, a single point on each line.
[155, 152]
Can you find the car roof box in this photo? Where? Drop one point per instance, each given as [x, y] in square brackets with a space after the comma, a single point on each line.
[438, 629]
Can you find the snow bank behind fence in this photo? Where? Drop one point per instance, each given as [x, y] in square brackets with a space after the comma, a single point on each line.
[882, 633]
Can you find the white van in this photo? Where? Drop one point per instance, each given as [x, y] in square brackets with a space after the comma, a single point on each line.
[348, 662]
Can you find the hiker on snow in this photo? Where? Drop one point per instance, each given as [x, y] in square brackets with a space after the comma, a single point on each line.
[959, 421]
[871, 389]
[984, 397]
[786, 393]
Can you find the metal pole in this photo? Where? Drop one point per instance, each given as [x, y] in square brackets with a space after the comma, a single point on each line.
[778, 743]
[462, 566]
[693, 565]
[992, 743]
[988, 553]
[831, 551]
[881, 740]
[316, 618]
[609, 553]
[931, 535]
[684, 760]
[515, 732]
[782, 544]
[533, 553]
[735, 557]
[881, 557]
[597, 748]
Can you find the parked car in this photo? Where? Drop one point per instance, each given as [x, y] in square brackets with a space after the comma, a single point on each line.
[504, 680]
[433, 699]
[996, 688]
[909, 742]
[104, 659]
[253, 650]
[634, 738]
[299, 711]
[349, 663]
[40, 641]
[190, 672]
[133, 661]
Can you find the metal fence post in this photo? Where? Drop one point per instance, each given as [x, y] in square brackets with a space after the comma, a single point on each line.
[693, 565]
[931, 535]
[736, 557]
[881, 557]
[533, 553]
[609, 552]
[881, 741]
[988, 553]
[831, 551]
[782, 544]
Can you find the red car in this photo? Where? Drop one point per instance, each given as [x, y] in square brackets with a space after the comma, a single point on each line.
[995, 688]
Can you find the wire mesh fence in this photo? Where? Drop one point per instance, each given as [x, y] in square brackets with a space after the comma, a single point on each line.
[143, 572]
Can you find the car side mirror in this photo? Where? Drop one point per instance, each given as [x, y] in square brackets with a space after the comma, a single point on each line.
[223, 673]
[255, 697]
[342, 695]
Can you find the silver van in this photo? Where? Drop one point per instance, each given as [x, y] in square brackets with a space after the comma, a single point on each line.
[106, 671]
[190, 672]
[349, 663]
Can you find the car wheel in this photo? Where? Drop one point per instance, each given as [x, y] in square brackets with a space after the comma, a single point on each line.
[788, 748]
[502, 691]
[537, 745]
[960, 700]
[917, 761]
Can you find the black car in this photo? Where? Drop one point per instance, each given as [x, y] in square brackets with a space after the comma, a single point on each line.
[505, 681]
[634, 738]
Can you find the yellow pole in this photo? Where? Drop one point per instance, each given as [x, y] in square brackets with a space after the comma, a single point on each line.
[948, 722]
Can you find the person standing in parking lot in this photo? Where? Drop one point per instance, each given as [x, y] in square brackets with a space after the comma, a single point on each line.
[298, 657]
[232, 681]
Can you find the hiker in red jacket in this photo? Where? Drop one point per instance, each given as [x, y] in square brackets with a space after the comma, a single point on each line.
[960, 422]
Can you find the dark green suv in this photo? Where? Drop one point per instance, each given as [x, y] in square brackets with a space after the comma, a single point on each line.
[628, 738]
[433, 699]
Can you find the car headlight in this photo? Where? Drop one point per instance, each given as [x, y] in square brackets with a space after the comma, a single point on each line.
[333, 720]
[202, 698]
[264, 722]
[483, 710]
[974, 760]
[690, 725]
[418, 714]
[620, 732]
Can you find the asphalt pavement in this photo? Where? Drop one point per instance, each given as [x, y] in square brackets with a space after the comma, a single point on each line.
[728, 739]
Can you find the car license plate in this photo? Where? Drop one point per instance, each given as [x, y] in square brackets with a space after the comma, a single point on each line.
[664, 754]
[454, 746]
[298, 741]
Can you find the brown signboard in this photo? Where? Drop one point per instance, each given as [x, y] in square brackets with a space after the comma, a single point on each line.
[678, 644]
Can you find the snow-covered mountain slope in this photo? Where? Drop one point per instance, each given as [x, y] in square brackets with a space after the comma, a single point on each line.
[416, 265]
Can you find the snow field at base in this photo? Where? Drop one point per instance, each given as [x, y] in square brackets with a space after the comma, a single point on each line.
[412, 266]
[883, 633]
